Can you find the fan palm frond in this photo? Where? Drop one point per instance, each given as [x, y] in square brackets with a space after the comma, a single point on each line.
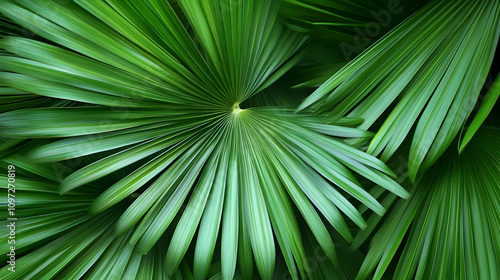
[431, 67]
[451, 220]
[167, 101]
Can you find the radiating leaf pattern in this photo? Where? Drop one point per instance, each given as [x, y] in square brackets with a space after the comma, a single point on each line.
[451, 220]
[181, 139]
[431, 68]
[166, 100]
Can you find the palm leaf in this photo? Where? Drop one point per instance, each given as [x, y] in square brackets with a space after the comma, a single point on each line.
[431, 67]
[482, 113]
[159, 108]
[451, 221]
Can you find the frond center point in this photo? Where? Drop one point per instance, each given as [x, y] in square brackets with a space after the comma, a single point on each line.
[236, 108]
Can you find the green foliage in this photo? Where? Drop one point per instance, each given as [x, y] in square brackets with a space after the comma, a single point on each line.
[432, 67]
[179, 139]
[451, 222]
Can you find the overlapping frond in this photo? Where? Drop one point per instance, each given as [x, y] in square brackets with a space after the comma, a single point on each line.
[160, 97]
[482, 113]
[451, 221]
[157, 139]
[431, 68]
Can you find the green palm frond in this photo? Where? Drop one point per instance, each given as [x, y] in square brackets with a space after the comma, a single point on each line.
[164, 104]
[179, 139]
[431, 68]
[42, 217]
[59, 239]
[451, 220]
[56, 230]
[42, 213]
[484, 110]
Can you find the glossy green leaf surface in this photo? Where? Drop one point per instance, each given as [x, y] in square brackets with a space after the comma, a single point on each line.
[229, 139]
